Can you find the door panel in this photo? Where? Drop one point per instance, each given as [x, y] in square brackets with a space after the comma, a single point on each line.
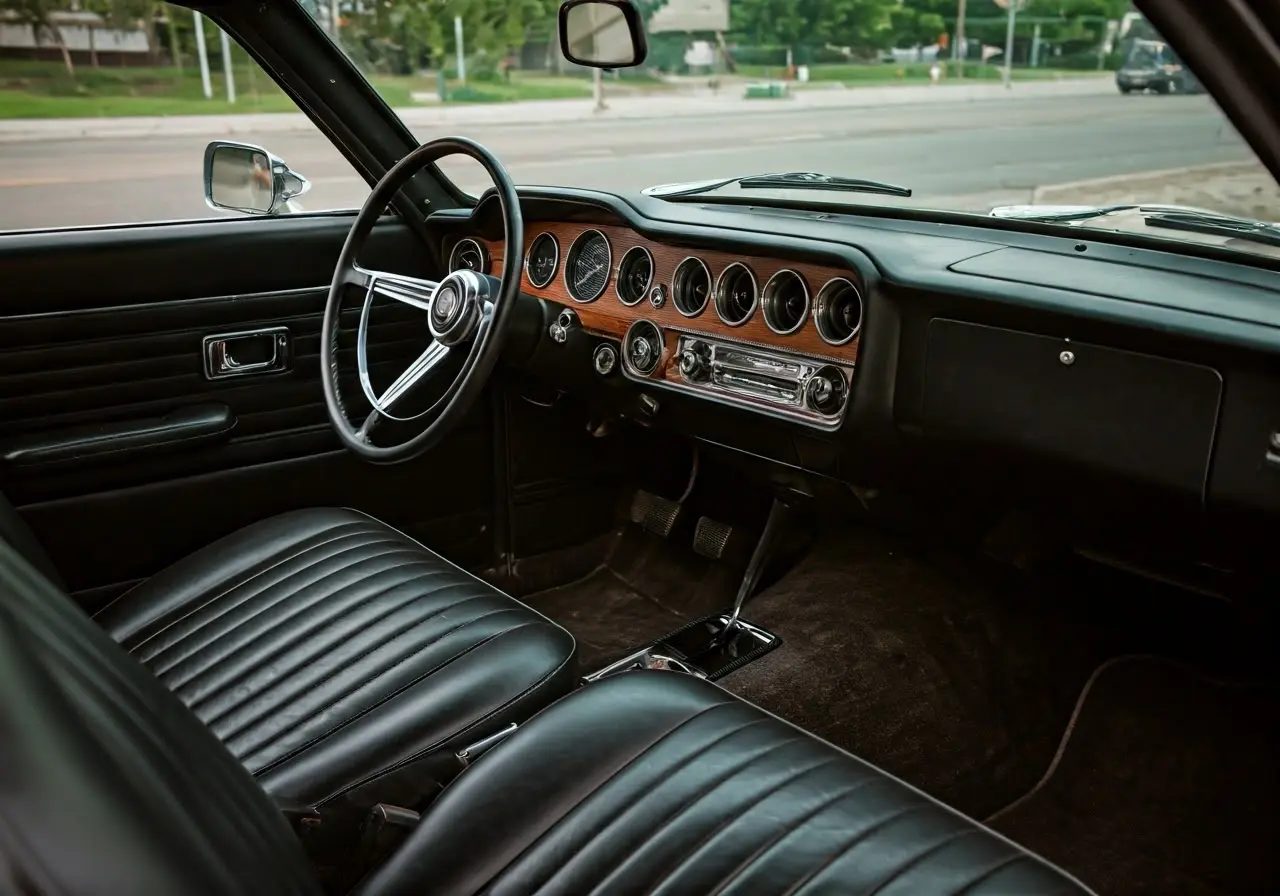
[123, 455]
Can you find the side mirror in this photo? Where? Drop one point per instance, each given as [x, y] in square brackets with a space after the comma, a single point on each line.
[602, 33]
[246, 178]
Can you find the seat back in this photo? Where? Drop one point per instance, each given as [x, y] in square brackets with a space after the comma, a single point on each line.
[108, 783]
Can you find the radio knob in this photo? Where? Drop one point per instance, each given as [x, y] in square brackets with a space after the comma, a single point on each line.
[825, 392]
[694, 361]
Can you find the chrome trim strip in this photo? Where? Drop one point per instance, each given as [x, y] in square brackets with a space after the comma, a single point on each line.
[675, 285]
[817, 310]
[617, 277]
[555, 265]
[755, 294]
[568, 259]
[765, 297]
[484, 255]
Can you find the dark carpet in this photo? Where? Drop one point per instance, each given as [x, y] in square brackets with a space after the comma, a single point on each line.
[1164, 783]
[644, 588]
[933, 673]
[606, 616]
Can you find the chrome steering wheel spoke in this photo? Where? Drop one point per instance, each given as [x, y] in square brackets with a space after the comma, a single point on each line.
[412, 291]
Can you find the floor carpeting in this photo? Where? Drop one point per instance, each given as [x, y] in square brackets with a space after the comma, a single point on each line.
[644, 588]
[1165, 782]
[933, 674]
[607, 617]
[960, 677]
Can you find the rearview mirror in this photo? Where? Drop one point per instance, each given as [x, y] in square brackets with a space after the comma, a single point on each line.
[602, 33]
[246, 178]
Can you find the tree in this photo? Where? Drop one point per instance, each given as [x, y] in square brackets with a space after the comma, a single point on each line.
[858, 24]
[39, 14]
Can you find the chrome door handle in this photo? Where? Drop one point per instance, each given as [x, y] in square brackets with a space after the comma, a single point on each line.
[268, 350]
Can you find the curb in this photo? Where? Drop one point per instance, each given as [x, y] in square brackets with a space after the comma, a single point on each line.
[1037, 195]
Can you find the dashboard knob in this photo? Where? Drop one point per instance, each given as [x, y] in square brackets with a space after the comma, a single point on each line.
[695, 361]
[826, 391]
[641, 353]
[604, 359]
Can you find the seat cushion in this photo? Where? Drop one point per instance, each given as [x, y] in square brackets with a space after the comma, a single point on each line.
[656, 782]
[325, 649]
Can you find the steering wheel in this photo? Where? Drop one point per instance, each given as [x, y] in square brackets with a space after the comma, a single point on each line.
[467, 314]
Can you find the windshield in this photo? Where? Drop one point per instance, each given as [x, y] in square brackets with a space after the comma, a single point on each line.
[1083, 106]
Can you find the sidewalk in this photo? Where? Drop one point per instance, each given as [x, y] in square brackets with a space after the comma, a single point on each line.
[427, 118]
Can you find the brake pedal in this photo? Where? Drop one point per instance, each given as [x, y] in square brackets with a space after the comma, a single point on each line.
[655, 513]
[710, 537]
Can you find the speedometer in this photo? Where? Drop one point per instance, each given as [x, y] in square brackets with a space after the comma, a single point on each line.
[544, 255]
[586, 270]
[469, 254]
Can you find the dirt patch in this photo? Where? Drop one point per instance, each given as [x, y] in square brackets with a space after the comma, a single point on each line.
[1245, 189]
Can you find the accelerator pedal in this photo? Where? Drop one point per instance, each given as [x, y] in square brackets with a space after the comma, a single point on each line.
[710, 537]
[655, 513]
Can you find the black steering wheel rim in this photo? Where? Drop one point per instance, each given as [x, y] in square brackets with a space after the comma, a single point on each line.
[490, 335]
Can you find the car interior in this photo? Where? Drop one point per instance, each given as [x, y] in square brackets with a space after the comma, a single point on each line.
[568, 542]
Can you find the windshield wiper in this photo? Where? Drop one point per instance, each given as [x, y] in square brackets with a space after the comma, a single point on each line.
[1217, 225]
[1079, 214]
[795, 180]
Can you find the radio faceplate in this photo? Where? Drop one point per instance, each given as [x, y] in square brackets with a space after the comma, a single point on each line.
[796, 387]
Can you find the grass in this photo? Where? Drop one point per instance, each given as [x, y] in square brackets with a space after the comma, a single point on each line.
[889, 73]
[44, 89]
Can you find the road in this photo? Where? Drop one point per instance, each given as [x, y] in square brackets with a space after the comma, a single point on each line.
[963, 155]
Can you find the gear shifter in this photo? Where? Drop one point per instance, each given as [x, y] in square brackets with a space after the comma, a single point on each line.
[773, 528]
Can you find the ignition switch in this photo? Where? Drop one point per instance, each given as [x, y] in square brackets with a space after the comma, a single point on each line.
[560, 328]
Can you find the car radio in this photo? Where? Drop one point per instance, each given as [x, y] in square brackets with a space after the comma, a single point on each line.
[806, 389]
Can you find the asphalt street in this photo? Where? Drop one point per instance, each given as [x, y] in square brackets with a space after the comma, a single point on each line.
[967, 155]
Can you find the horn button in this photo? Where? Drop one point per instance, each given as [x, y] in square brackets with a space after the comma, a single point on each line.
[456, 307]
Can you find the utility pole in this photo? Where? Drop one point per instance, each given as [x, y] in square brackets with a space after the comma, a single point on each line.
[462, 61]
[203, 56]
[1008, 44]
[961, 46]
[227, 71]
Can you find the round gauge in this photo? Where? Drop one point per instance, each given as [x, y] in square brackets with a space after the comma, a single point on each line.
[586, 270]
[540, 264]
[635, 274]
[469, 254]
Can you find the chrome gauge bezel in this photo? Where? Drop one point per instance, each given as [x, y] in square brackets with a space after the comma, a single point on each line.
[769, 294]
[719, 294]
[627, 364]
[819, 305]
[555, 265]
[485, 261]
[617, 277]
[570, 258]
[676, 279]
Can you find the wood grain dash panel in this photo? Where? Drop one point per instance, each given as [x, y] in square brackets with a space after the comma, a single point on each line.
[608, 316]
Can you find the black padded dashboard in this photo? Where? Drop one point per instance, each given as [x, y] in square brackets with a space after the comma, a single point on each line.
[1009, 358]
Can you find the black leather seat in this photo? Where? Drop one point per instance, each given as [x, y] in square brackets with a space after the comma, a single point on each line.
[328, 651]
[660, 783]
[647, 782]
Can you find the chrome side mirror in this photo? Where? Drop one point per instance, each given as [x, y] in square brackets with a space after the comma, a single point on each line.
[245, 178]
[602, 33]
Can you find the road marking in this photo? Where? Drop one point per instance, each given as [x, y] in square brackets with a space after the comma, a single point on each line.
[790, 138]
[33, 182]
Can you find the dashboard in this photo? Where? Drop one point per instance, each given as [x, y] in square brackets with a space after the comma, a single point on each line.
[975, 360]
[776, 335]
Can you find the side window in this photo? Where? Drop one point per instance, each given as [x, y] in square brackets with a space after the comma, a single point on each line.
[107, 119]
